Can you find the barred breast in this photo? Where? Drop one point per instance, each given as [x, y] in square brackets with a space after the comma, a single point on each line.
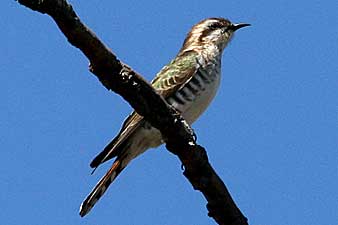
[196, 95]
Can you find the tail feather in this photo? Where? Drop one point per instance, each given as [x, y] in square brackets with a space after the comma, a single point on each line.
[120, 142]
[101, 186]
[129, 143]
[109, 152]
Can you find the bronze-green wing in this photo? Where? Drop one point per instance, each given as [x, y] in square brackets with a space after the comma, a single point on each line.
[169, 80]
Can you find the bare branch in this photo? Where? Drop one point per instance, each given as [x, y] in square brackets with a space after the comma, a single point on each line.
[118, 77]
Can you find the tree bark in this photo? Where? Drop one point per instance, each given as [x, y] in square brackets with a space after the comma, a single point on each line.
[120, 78]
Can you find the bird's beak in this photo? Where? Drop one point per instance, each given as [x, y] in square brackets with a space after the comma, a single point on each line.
[237, 26]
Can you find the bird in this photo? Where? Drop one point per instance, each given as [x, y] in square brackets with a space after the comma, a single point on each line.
[188, 83]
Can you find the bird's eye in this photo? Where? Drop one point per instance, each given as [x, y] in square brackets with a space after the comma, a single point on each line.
[215, 26]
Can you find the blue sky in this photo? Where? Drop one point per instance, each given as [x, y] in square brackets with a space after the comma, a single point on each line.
[271, 133]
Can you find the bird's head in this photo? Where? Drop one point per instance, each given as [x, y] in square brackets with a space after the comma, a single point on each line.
[212, 32]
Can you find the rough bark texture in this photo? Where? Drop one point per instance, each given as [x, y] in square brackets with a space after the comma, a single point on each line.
[118, 77]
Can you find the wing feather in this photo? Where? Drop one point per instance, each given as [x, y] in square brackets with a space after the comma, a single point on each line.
[176, 74]
[169, 80]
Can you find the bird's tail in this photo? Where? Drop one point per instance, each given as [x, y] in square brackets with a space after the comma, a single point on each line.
[119, 164]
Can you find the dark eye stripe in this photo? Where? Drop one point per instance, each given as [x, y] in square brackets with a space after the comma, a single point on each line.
[215, 26]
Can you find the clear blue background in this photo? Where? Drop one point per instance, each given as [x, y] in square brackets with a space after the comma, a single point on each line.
[271, 132]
